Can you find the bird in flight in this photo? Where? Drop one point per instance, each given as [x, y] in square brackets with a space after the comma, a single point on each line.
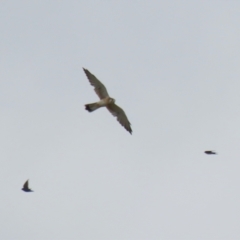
[26, 188]
[210, 152]
[106, 101]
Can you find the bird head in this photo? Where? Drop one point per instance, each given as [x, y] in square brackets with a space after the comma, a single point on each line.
[112, 100]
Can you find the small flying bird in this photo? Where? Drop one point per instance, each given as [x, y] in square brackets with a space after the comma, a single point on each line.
[210, 152]
[25, 187]
[106, 101]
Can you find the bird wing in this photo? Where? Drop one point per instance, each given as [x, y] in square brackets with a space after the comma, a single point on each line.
[25, 184]
[99, 88]
[118, 112]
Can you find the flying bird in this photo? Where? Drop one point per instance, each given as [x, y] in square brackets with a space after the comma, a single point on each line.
[210, 152]
[26, 188]
[106, 101]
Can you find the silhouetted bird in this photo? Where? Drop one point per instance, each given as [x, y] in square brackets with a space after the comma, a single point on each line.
[25, 187]
[210, 152]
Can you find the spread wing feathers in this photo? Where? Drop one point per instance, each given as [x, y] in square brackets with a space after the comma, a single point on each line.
[99, 88]
[25, 184]
[116, 111]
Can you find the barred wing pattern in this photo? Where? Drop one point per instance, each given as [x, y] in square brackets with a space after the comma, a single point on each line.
[99, 88]
[116, 111]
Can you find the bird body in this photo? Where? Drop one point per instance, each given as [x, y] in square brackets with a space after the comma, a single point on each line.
[106, 101]
[102, 103]
[210, 152]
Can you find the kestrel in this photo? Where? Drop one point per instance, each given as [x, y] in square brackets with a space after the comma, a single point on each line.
[210, 152]
[26, 188]
[106, 101]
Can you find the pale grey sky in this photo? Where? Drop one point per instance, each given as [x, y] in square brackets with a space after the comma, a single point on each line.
[173, 66]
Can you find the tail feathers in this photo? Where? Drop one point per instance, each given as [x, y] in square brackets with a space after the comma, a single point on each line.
[91, 107]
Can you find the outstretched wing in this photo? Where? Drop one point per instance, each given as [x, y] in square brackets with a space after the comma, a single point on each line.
[25, 184]
[116, 111]
[99, 88]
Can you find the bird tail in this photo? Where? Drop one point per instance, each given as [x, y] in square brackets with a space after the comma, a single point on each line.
[92, 107]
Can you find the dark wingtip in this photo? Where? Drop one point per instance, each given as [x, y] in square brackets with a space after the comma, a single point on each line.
[129, 130]
[85, 70]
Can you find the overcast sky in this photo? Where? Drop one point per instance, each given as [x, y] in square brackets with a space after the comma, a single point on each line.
[173, 66]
